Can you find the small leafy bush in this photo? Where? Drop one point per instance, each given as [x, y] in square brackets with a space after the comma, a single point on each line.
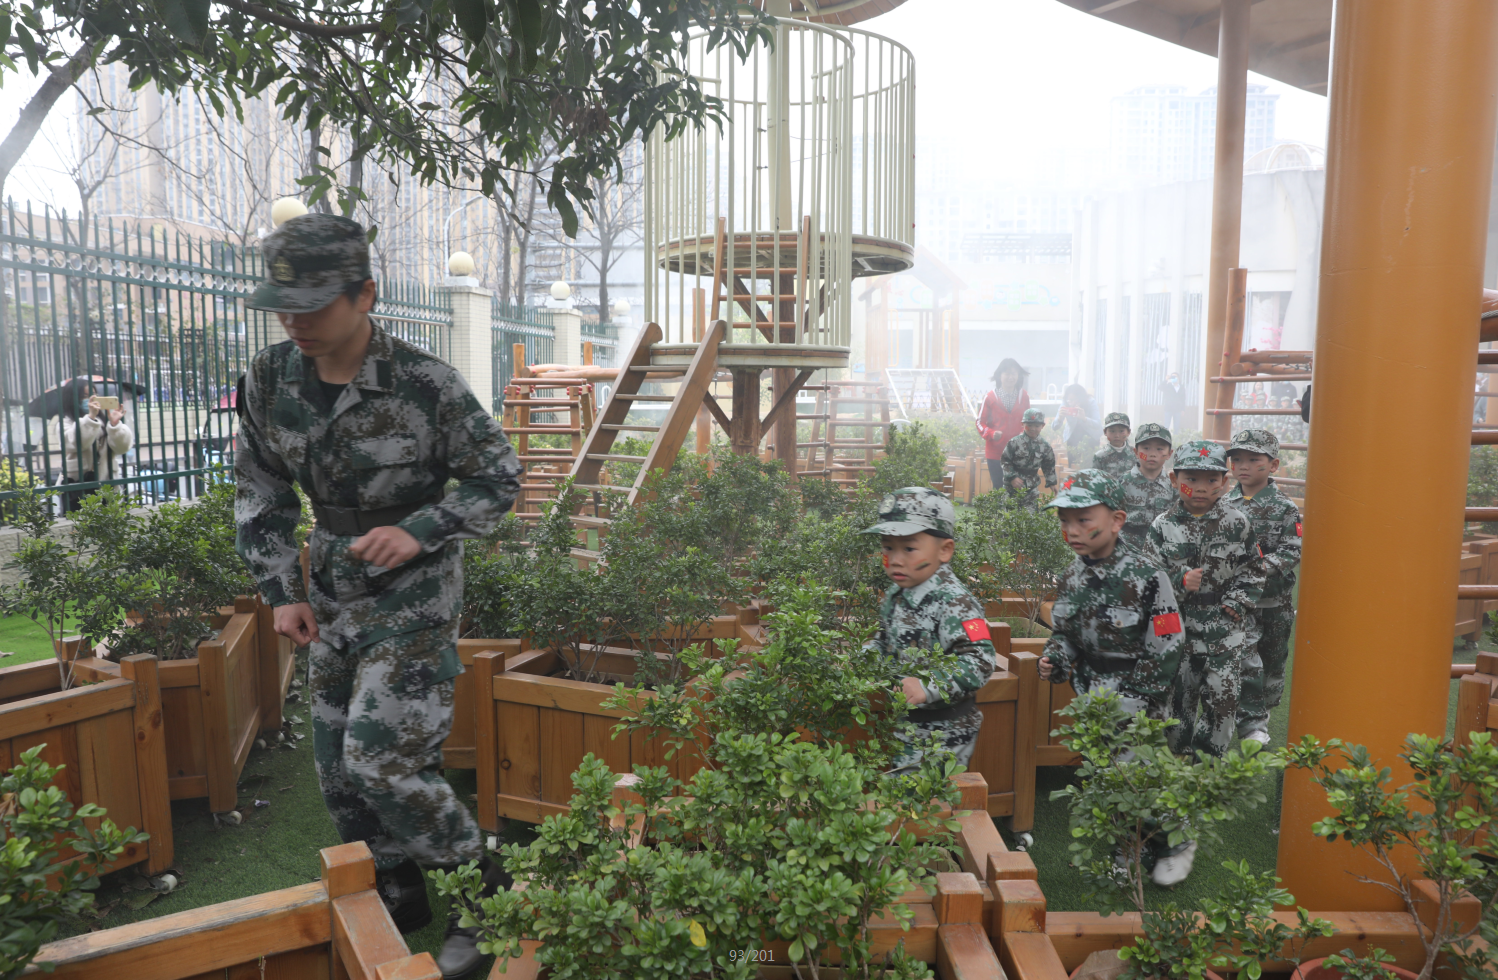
[913, 457]
[783, 834]
[37, 824]
[1441, 818]
[1004, 547]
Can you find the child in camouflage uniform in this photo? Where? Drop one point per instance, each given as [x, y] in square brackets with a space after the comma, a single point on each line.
[1209, 549]
[926, 608]
[1115, 625]
[1026, 456]
[1255, 456]
[1116, 459]
[1147, 490]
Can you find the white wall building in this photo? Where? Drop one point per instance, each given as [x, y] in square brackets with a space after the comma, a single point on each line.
[1139, 277]
[1160, 134]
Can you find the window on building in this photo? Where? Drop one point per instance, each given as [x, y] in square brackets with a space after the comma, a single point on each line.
[1100, 350]
[1123, 353]
[1156, 322]
[1191, 356]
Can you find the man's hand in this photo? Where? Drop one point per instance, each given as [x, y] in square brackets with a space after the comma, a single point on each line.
[915, 693]
[1044, 667]
[386, 547]
[1192, 580]
[1232, 614]
[297, 622]
[1017, 483]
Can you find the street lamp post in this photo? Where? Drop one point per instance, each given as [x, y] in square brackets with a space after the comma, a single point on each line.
[446, 244]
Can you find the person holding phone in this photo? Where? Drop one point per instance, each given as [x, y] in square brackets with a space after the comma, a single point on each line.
[94, 443]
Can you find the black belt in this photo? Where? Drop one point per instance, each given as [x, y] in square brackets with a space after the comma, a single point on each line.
[959, 710]
[1200, 598]
[352, 520]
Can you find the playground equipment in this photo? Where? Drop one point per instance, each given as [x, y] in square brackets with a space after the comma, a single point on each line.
[929, 391]
[860, 406]
[755, 233]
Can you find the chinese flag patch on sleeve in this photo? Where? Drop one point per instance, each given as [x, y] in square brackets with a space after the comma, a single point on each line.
[1167, 623]
[976, 629]
[1297, 529]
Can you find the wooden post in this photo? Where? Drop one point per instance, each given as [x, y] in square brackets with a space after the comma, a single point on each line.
[1412, 99]
[485, 738]
[1030, 730]
[213, 688]
[744, 436]
[1227, 194]
[587, 352]
[1232, 344]
[268, 649]
[150, 761]
[699, 325]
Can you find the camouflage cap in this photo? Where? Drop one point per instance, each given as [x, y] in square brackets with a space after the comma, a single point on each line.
[1033, 415]
[911, 510]
[1256, 441]
[1152, 430]
[1088, 489]
[1200, 454]
[1116, 418]
[309, 260]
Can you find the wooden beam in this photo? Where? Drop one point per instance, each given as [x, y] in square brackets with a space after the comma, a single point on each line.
[721, 417]
[787, 397]
[150, 761]
[65, 707]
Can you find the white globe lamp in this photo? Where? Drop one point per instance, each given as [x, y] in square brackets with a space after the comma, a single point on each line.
[621, 307]
[560, 291]
[285, 209]
[460, 264]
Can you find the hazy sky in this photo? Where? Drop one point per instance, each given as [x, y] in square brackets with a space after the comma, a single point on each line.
[1006, 76]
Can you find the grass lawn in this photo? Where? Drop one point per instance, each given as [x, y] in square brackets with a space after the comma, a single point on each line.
[22, 641]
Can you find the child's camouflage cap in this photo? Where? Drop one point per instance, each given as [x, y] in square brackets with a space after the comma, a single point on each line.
[309, 260]
[1088, 489]
[1033, 415]
[1200, 454]
[1257, 441]
[1116, 418]
[911, 510]
[1152, 430]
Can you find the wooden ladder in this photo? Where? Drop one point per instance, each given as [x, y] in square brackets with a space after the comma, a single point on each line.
[670, 435]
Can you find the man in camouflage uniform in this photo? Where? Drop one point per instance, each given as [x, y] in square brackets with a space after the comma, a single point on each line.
[1254, 456]
[1026, 457]
[1209, 549]
[1146, 497]
[1116, 459]
[372, 429]
[928, 608]
[1115, 625]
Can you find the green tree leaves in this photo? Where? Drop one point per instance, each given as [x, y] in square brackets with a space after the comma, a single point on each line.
[186, 19]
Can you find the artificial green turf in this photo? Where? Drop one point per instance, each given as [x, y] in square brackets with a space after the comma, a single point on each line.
[22, 641]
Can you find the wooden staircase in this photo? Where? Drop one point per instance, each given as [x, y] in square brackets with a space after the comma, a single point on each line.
[670, 435]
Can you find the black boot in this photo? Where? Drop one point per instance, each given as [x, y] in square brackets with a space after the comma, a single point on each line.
[460, 956]
[403, 889]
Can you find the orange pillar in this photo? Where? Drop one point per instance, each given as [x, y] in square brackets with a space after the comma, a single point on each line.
[1414, 96]
[1227, 203]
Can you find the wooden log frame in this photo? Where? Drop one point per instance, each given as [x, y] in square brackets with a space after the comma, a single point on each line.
[215, 704]
[334, 927]
[459, 751]
[109, 738]
[950, 929]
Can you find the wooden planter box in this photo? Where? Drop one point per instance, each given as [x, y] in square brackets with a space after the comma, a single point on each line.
[334, 927]
[950, 929]
[533, 730]
[458, 752]
[109, 738]
[213, 705]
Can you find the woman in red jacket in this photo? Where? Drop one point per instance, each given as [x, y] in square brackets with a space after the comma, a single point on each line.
[999, 418]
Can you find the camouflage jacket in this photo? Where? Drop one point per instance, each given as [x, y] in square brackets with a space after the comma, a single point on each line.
[1222, 543]
[1024, 456]
[1115, 462]
[1277, 524]
[931, 615]
[1115, 624]
[1144, 500]
[404, 426]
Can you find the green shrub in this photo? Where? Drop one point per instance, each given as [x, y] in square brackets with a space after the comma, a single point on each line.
[783, 833]
[37, 827]
[912, 458]
[1006, 547]
[957, 435]
[12, 477]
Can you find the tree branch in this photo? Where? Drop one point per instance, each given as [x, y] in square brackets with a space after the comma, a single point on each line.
[14, 146]
[300, 26]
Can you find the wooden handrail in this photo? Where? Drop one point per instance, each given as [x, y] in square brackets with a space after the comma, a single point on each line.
[1477, 591]
[1481, 514]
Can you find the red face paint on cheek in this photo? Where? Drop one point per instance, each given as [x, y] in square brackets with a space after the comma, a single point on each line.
[1096, 533]
[886, 560]
[1188, 491]
[923, 566]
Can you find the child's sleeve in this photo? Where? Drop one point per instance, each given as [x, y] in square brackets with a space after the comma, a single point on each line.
[1048, 463]
[1160, 660]
[1009, 461]
[964, 632]
[1284, 555]
[1061, 645]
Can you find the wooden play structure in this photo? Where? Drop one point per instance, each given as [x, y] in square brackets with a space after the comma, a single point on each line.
[545, 406]
[849, 427]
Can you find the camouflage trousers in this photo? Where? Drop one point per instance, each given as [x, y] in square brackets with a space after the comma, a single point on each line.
[1130, 701]
[1264, 668]
[1206, 704]
[377, 735]
[959, 736]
